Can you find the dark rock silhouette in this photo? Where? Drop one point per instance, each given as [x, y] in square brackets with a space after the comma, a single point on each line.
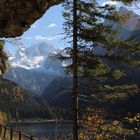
[16, 16]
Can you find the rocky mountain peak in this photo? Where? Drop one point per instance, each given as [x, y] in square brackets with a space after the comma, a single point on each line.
[123, 10]
[128, 23]
[32, 57]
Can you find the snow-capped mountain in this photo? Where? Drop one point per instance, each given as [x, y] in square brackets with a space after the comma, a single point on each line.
[32, 57]
[33, 68]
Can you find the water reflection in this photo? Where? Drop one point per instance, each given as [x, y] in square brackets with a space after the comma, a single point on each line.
[46, 131]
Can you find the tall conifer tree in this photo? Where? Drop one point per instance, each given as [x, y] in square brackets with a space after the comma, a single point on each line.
[104, 60]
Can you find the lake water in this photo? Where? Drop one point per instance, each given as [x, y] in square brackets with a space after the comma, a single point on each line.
[46, 129]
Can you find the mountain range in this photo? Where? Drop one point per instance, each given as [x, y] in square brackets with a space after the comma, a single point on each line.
[36, 69]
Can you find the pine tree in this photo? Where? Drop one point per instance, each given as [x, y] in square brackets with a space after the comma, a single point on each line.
[104, 60]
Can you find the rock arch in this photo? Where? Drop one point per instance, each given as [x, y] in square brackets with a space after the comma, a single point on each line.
[16, 16]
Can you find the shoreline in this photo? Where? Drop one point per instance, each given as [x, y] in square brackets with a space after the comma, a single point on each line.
[40, 121]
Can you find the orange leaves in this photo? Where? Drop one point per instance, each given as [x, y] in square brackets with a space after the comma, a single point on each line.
[99, 125]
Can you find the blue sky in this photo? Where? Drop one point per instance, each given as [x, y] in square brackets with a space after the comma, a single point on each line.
[49, 28]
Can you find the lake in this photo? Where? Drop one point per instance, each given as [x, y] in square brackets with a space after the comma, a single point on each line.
[45, 129]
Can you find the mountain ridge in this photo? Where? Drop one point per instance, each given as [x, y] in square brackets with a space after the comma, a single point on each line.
[33, 68]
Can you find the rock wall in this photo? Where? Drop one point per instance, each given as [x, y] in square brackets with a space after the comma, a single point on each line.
[16, 16]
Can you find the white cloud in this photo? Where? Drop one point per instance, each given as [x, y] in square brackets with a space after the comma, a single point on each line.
[33, 26]
[52, 25]
[29, 37]
[47, 38]
[50, 38]
[40, 37]
[109, 2]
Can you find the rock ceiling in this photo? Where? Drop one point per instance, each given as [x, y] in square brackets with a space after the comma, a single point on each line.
[16, 16]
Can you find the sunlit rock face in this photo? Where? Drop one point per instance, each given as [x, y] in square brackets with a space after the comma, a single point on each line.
[16, 16]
